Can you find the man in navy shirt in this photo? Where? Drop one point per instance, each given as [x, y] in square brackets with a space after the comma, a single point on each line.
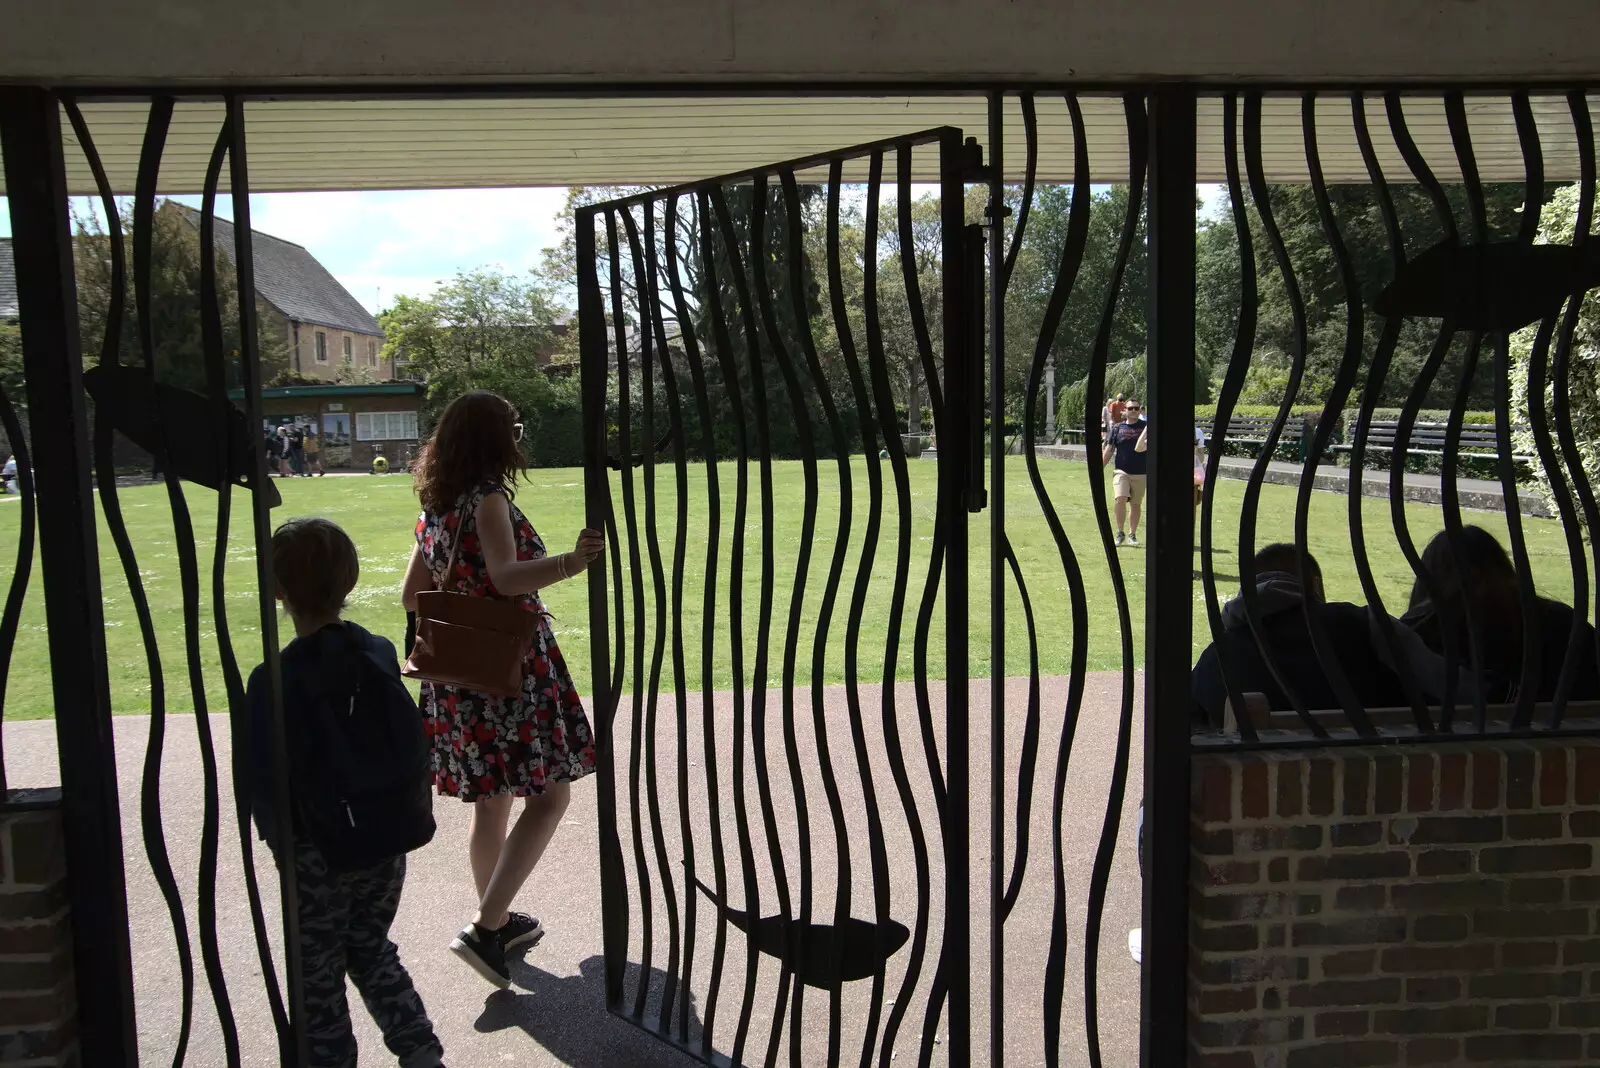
[1127, 482]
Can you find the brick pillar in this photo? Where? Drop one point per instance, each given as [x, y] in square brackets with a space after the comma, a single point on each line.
[38, 1003]
[1427, 905]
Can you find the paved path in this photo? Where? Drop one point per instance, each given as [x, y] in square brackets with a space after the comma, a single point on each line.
[554, 1014]
[1423, 488]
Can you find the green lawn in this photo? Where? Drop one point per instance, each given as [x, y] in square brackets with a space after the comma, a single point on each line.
[379, 513]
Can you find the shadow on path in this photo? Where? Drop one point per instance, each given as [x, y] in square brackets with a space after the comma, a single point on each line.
[566, 1016]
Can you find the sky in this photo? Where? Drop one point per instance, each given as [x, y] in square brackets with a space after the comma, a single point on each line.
[379, 244]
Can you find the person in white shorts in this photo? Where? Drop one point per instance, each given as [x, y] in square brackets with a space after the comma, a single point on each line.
[1128, 478]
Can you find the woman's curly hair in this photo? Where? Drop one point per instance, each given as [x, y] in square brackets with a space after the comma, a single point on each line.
[472, 445]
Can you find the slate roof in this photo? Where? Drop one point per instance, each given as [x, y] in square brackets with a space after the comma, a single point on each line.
[292, 280]
[8, 281]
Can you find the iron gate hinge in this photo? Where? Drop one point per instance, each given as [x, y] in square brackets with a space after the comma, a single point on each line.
[972, 166]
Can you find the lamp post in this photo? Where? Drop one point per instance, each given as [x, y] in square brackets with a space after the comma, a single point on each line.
[1050, 401]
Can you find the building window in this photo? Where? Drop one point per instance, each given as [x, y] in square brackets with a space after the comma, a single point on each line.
[347, 348]
[322, 347]
[386, 426]
[372, 352]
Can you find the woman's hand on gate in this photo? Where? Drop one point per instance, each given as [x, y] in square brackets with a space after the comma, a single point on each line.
[591, 544]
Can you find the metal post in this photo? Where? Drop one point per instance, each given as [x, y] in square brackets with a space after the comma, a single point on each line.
[52, 358]
[594, 370]
[955, 483]
[1168, 604]
[292, 1049]
[997, 576]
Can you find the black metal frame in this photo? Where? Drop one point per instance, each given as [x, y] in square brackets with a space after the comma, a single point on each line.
[962, 368]
[30, 126]
[1163, 1030]
[36, 185]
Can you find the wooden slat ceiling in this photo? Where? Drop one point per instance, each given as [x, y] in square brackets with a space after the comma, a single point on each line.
[306, 144]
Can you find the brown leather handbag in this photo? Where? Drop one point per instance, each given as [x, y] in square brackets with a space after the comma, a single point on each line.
[474, 643]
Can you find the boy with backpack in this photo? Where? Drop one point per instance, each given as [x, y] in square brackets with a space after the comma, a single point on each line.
[360, 798]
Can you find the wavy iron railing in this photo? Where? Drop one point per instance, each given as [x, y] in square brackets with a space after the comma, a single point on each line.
[737, 307]
[1476, 281]
[738, 267]
[135, 401]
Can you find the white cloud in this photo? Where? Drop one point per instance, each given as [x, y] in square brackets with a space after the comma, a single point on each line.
[408, 242]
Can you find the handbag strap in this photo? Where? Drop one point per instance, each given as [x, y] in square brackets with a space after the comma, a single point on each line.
[455, 543]
[455, 546]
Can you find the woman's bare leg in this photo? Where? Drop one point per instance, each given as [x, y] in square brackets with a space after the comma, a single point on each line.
[524, 845]
[487, 837]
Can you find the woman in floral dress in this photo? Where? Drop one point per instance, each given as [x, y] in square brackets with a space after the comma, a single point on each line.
[491, 750]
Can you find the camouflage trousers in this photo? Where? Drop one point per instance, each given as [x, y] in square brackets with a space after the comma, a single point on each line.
[344, 931]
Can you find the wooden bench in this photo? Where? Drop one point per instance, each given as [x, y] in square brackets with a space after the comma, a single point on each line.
[1428, 439]
[1245, 430]
[1242, 430]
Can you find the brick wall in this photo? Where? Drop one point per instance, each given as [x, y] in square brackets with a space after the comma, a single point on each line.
[1396, 906]
[38, 1006]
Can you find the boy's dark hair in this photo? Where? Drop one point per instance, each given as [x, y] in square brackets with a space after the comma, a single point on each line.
[315, 564]
[1282, 556]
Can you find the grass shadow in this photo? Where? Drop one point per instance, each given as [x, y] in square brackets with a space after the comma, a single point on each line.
[1218, 575]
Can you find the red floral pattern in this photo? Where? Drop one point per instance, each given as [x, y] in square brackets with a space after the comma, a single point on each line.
[485, 745]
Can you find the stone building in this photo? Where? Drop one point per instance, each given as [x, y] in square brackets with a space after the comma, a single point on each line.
[326, 328]
[353, 423]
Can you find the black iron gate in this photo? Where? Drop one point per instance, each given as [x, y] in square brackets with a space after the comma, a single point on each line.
[790, 794]
[699, 307]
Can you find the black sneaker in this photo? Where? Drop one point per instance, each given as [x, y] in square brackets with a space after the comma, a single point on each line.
[520, 930]
[482, 950]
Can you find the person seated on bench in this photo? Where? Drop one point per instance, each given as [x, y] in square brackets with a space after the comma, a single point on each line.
[1496, 610]
[1282, 603]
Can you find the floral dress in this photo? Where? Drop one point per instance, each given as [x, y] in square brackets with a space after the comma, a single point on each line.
[483, 745]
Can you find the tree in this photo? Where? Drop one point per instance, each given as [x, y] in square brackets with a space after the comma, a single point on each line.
[486, 329]
[1034, 278]
[11, 379]
[174, 299]
[1316, 271]
[1558, 225]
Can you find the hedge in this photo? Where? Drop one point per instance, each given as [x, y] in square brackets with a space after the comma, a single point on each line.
[1207, 413]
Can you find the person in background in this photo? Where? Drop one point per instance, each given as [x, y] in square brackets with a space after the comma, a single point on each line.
[1199, 461]
[355, 748]
[1283, 604]
[297, 449]
[9, 475]
[491, 750]
[313, 453]
[283, 452]
[1128, 478]
[1111, 415]
[1487, 586]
